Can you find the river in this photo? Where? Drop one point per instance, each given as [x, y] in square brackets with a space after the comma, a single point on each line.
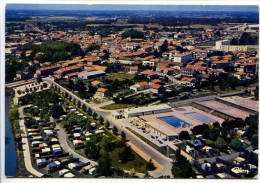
[10, 153]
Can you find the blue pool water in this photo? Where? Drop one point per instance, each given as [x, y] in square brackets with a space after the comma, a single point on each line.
[173, 121]
[200, 117]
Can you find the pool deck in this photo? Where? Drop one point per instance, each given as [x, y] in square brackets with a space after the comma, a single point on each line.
[153, 120]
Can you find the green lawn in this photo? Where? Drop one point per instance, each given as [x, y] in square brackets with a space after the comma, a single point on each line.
[237, 89]
[117, 106]
[120, 76]
[139, 164]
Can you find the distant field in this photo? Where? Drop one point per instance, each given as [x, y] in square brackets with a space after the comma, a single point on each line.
[120, 76]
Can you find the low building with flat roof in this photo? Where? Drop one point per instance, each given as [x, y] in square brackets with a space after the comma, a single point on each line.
[141, 111]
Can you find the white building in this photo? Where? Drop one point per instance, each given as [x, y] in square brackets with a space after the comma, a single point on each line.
[184, 57]
[224, 45]
[141, 111]
[140, 86]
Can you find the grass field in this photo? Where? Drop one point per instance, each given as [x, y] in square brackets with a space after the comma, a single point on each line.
[120, 76]
[117, 106]
[139, 164]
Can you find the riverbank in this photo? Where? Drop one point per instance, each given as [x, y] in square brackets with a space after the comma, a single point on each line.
[14, 160]
[10, 149]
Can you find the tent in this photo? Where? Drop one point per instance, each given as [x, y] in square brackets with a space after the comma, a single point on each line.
[63, 171]
[40, 162]
[69, 175]
[72, 165]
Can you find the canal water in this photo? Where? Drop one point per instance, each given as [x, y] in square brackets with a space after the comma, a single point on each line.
[10, 153]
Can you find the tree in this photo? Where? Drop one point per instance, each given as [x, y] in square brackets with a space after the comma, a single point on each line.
[92, 150]
[13, 114]
[132, 172]
[133, 33]
[80, 86]
[236, 143]
[107, 125]
[114, 130]
[71, 84]
[220, 142]
[107, 144]
[150, 166]
[181, 167]
[94, 115]
[56, 111]
[126, 154]
[184, 135]
[89, 111]
[104, 166]
[84, 107]
[123, 135]
[101, 119]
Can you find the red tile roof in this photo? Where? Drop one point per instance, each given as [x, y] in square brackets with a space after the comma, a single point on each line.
[156, 86]
[144, 83]
[102, 90]
[149, 73]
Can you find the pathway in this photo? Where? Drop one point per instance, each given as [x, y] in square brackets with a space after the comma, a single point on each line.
[26, 150]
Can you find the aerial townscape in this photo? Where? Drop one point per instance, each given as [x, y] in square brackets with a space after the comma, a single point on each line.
[132, 93]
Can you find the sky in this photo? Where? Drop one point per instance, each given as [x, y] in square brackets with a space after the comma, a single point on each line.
[131, 7]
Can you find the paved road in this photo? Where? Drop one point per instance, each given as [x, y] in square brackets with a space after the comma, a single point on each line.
[150, 151]
[66, 147]
[26, 150]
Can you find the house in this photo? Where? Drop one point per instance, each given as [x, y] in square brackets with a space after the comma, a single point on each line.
[168, 71]
[240, 75]
[187, 71]
[140, 86]
[91, 74]
[156, 81]
[149, 74]
[97, 83]
[67, 70]
[101, 68]
[238, 160]
[220, 64]
[133, 70]
[183, 57]
[188, 81]
[250, 67]
[116, 115]
[158, 87]
[198, 53]
[103, 92]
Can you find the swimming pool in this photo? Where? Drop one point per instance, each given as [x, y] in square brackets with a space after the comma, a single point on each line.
[200, 117]
[173, 121]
